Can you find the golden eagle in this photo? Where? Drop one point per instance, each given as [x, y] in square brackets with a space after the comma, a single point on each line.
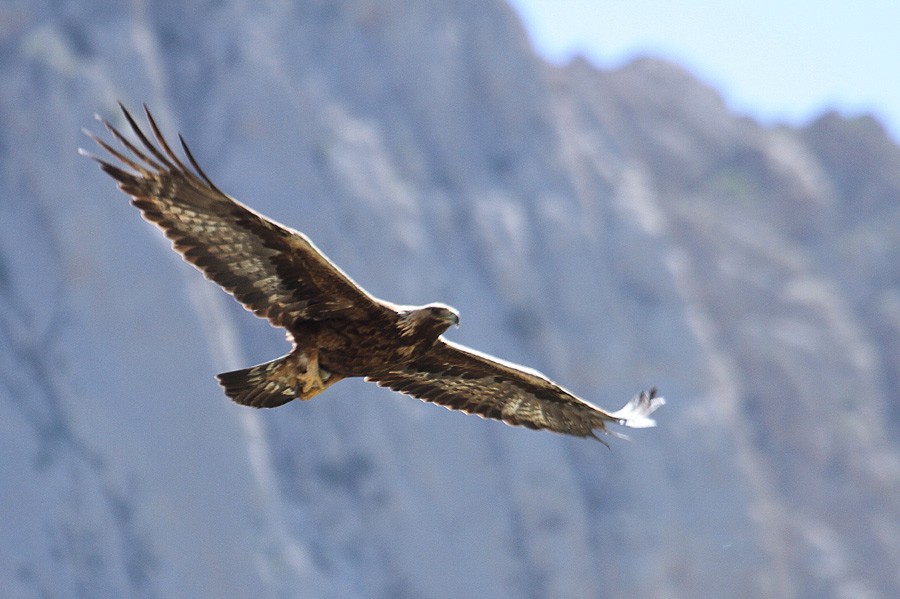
[338, 330]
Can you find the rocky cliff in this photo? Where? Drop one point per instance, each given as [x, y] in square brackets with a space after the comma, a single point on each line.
[614, 229]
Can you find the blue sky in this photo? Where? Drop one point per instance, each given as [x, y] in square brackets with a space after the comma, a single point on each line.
[777, 61]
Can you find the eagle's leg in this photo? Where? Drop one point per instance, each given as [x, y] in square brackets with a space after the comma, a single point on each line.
[310, 382]
[314, 380]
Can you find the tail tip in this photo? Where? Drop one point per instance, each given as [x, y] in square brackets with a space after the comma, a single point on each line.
[250, 387]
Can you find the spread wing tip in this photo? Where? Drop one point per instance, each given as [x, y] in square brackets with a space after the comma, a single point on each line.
[88, 154]
[636, 413]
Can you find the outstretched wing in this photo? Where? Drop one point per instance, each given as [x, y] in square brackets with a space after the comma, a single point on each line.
[275, 272]
[459, 378]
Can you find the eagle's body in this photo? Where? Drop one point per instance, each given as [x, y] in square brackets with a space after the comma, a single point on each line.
[344, 348]
[338, 330]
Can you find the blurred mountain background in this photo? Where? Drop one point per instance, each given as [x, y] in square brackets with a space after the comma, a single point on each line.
[612, 228]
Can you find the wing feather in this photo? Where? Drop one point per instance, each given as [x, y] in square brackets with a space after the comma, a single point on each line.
[275, 272]
[460, 378]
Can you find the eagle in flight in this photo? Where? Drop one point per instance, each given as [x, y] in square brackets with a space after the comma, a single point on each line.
[337, 329]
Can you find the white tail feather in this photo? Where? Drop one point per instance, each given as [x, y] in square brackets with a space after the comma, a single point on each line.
[635, 414]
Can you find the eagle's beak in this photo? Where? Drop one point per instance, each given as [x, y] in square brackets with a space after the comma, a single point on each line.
[453, 318]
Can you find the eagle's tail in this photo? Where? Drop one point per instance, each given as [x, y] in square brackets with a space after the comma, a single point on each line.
[263, 386]
[277, 382]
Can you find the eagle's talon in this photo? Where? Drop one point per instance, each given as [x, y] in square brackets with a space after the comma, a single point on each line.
[312, 378]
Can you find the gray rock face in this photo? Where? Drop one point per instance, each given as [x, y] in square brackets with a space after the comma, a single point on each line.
[614, 229]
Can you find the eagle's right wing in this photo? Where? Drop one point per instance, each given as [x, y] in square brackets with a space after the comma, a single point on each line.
[275, 272]
[460, 378]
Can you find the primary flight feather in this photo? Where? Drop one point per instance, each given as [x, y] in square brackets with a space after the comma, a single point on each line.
[338, 329]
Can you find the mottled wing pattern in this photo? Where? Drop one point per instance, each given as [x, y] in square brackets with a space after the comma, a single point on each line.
[459, 378]
[275, 272]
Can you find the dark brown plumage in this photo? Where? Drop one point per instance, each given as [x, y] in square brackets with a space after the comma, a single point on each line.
[338, 330]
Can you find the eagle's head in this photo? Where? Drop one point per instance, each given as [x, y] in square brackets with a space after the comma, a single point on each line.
[442, 313]
[432, 320]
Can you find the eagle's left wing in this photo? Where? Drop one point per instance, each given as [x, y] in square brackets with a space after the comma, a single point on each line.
[275, 272]
[460, 378]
